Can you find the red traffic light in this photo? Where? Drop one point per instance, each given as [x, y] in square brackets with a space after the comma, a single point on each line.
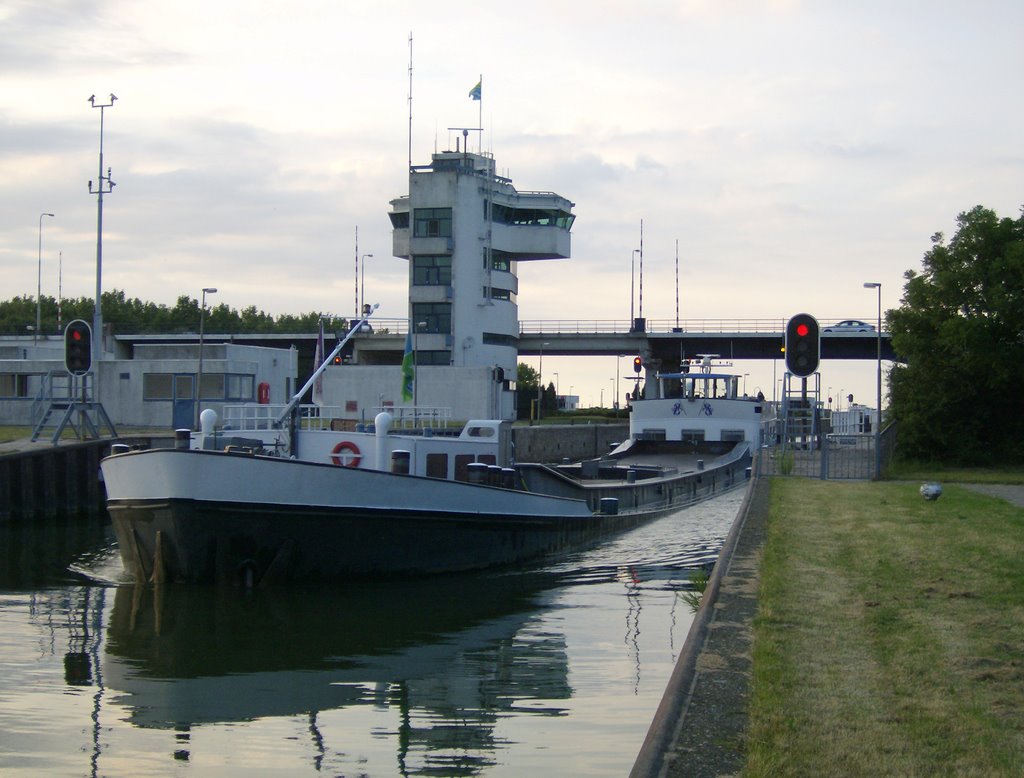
[78, 347]
[803, 345]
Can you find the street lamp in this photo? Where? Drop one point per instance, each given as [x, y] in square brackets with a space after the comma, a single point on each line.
[39, 280]
[878, 378]
[362, 283]
[202, 320]
[105, 186]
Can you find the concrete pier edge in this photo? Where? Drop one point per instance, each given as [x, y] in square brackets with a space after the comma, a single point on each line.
[657, 752]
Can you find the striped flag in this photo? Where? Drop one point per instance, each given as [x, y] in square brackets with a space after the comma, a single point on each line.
[408, 369]
[477, 92]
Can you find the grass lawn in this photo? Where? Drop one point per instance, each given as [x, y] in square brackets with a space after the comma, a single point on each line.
[890, 633]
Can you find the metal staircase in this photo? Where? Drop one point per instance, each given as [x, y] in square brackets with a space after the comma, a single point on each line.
[67, 401]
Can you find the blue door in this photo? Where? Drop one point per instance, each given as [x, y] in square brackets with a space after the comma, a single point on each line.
[184, 402]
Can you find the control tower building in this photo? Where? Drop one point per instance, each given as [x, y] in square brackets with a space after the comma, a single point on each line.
[464, 230]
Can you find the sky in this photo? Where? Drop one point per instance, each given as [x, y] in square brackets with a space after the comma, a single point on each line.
[785, 151]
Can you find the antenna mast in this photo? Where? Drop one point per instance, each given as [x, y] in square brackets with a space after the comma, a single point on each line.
[677, 283]
[641, 268]
[410, 100]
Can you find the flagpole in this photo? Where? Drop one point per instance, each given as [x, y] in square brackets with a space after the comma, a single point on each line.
[480, 116]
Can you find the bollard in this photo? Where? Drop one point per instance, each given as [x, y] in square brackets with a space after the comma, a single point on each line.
[182, 438]
[400, 461]
[477, 472]
[508, 478]
[609, 506]
[700, 464]
[119, 448]
[631, 476]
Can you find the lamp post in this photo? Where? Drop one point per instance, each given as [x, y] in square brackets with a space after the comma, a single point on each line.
[106, 186]
[362, 283]
[39, 281]
[878, 380]
[202, 320]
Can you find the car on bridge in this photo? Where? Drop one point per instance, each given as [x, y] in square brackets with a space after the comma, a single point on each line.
[850, 325]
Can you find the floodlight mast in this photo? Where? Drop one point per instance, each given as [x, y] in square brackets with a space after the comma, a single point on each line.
[106, 186]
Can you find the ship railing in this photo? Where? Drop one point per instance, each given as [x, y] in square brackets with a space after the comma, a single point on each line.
[419, 416]
[254, 417]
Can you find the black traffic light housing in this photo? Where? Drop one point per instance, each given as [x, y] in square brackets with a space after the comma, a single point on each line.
[637, 364]
[803, 345]
[78, 347]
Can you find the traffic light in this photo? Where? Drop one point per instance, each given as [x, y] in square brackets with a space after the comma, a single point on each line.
[637, 364]
[803, 345]
[78, 347]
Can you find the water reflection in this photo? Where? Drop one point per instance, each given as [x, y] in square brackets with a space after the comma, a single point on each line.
[552, 671]
[449, 656]
[40, 553]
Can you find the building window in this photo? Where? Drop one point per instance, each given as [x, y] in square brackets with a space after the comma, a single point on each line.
[437, 318]
[212, 387]
[533, 217]
[157, 386]
[500, 260]
[499, 339]
[432, 223]
[399, 220]
[14, 385]
[443, 357]
[238, 388]
[500, 294]
[432, 270]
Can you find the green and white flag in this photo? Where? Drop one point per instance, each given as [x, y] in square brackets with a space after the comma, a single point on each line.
[408, 370]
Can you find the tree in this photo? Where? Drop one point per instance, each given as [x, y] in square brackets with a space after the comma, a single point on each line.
[960, 328]
[527, 381]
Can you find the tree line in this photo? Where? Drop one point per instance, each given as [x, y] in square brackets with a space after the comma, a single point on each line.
[134, 316]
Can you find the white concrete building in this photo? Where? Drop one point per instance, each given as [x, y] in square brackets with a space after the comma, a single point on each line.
[463, 230]
[153, 386]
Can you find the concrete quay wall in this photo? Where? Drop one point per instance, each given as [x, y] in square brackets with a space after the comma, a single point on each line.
[555, 442]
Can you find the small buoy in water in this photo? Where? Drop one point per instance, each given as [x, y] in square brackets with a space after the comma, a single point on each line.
[931, 491]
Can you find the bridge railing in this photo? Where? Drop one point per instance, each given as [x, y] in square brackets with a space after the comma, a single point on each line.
[621, 326]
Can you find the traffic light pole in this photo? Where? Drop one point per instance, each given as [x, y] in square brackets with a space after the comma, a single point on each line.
[85, 416]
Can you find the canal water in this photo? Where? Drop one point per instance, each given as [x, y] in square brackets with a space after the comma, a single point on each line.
[550, 671]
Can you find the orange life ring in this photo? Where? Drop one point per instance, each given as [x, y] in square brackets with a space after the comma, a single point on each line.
[351, 451]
